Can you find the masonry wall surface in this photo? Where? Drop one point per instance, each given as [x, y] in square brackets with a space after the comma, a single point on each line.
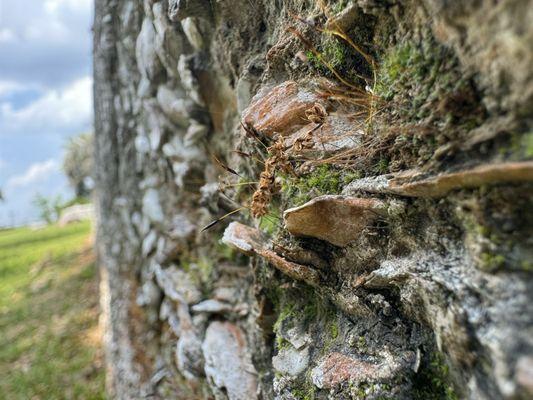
[379, 154]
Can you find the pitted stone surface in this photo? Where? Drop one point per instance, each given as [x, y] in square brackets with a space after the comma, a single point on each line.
[227, 361]
[290, 361]
[152, 206]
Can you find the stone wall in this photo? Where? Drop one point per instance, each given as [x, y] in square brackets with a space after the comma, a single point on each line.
[309, 199]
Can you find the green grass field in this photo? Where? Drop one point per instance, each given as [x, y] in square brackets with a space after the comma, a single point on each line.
[50, 346]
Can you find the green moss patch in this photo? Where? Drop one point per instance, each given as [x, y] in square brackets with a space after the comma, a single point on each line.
[423, 79]
[432, 382]
[324, 179]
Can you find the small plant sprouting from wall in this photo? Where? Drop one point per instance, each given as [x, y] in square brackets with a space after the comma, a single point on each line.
[282, 158]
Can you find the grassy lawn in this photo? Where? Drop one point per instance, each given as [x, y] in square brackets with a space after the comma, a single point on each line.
[49, 339]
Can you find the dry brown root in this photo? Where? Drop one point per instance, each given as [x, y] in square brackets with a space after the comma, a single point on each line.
[316, 114]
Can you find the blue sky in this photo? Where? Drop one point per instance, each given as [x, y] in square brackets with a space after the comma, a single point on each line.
[45, 97]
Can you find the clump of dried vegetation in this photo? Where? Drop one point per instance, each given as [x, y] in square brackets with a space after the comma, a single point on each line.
[284, 157]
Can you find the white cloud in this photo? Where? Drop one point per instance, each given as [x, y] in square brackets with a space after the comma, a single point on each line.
[45, 96]
[6, 35]
[45, 41]
[8, 87]
[52, 6]
[67, 110]
[53, 19]
[35, 173]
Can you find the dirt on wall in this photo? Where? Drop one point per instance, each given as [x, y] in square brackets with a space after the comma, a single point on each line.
[312, 199]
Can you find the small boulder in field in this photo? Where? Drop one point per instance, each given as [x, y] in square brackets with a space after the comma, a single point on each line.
[76, 213]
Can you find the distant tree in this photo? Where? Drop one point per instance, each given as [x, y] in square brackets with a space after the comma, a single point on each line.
[78, 163]
[49, 208]
[1, 196]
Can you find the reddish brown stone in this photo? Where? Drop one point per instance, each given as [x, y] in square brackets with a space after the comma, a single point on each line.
[280, 110]
[295, 271]
[336, 219]
[337, 368]
[412, 183]
[482, 175]
[250, 241]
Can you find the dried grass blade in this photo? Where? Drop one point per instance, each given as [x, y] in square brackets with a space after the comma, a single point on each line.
[216, 221]
[225, 167]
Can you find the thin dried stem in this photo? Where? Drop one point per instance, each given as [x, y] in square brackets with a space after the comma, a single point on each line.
[318, 55]
[216, 221]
